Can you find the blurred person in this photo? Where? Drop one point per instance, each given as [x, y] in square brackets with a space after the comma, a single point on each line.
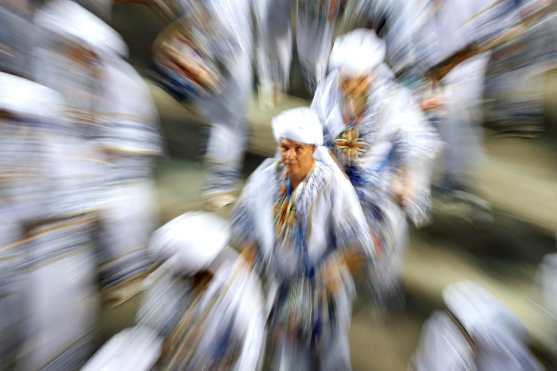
[317, 22]
[312, 32]
[299, 223]
[381, 142]
[115, 120]
[453, 42]
[60, 294]
[24, 106]
[129, 140]
[207, 53]
[203, 310]
[474, 332]
[514, 80]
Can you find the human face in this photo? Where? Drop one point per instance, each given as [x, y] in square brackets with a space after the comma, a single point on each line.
[355, 92]
[297, 157]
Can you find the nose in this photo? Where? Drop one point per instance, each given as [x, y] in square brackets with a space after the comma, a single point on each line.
[290, 155]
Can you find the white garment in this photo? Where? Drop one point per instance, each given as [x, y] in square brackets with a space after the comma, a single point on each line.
[60, 285]
[128, 207]
[392, 136]
[226, 111]
[134, 349]
[239, 305]
[328, 219]
[313, 36]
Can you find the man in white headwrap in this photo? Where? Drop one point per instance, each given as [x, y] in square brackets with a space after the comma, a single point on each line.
[114, 117]
[203, 310]
[299, 222]
[381, 142]
[474, 332]
[316, 23]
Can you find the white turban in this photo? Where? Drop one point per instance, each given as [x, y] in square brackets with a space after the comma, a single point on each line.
[356, 53]
[23, 97]
[75, 22]
[190, 242]
[478, 310]
[301, 125]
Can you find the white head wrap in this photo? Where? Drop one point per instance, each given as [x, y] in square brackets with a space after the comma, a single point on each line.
[357, 53]
[136, 348]
[478, 310]
[73, 21]
[301, 125]
[190, 242]
[24, 97]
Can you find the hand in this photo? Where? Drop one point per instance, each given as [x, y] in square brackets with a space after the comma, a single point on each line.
[248, 256]
[402, 190]
[332, 277]
[432, 104]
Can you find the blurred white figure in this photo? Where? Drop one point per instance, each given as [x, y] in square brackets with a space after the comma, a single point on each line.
[202, 309]
[130, 142]
[114, 119]
[222, 29]
[25, 107]
[299, 222]
[442, 29]
[381, 142]
[61, 295]
[227, 111]
[313, 34]
[474, 332]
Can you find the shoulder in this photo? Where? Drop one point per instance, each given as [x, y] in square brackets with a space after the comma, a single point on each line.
[262, 177]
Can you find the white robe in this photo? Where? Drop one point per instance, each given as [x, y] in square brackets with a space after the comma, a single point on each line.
[393, 135]
[328, 219]
[239, 309]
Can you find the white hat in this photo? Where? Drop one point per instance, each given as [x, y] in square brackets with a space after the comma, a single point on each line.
[133, 349]
[191, 241]
[478, 310]
[24, 97]
[73, 21]
[301, 125]
[356, 53]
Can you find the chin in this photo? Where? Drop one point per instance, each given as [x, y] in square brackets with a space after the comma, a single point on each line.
[292, 169]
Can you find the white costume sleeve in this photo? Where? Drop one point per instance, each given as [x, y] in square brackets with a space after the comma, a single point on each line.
[251, 318]
[350, 226]
[420, 147]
